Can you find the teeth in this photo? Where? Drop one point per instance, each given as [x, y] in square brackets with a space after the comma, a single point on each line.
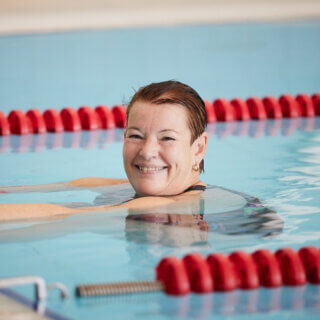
[145, 169]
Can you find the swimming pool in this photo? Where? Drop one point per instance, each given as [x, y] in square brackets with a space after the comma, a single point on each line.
[277, 161]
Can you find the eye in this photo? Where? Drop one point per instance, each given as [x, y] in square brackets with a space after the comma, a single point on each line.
[134, 136]
[168, 139]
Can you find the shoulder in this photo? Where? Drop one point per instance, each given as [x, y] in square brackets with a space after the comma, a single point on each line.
[95, 182]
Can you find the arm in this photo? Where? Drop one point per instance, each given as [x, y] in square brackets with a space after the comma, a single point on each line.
[62, 186]
[19, 211]
[94, 182]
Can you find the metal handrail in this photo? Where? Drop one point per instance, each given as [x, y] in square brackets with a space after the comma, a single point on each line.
[41, 288]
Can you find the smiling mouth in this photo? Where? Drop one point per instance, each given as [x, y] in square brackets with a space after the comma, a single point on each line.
[149, 169]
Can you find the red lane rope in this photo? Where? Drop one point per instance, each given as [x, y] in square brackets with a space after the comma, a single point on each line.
[219, 272]
[68, 119]
[102, 117]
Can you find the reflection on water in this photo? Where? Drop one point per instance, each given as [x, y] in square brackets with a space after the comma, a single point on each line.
[160, 229]
[202, 306]
[101, 138]
[184, 223]
[177, 230]
[67, 140]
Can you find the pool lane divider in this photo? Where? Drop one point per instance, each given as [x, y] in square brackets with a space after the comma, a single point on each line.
[102, 117]
[220, 272]
[68, 119]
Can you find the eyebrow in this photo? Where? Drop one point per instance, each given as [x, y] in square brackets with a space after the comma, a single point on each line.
[133, 128]
[164, 130]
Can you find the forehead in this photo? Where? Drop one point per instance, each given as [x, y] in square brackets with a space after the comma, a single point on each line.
[147, 113]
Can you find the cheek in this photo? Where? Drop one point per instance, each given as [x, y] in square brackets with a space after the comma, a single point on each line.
[180, 157]
[187, 158]
[170, 154]
[128, 152]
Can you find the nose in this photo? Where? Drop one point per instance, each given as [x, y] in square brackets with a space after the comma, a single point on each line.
[149, 149]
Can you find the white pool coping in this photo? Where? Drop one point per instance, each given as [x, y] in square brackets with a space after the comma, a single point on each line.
[36, 16]
[13, 310]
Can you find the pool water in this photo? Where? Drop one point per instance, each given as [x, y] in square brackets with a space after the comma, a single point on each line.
[276, 161]
[281, 169]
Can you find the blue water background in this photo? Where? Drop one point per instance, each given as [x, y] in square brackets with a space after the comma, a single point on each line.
[283, 169]
[106, 67]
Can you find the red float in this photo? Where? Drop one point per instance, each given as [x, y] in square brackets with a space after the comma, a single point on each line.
[19, 123]
[241, 109]
[172, 273]
[272, 107]
[102, 117]
[106, 117]
[256, 108]
[88, 118]
[222, 272]
[224, 110]
[291, 266]
[199, 273]
[246, 270]
[268, 268]
[4, 125]
[120, 116]
[37, 121]
[211, 116]
[53, 120]
[289, 106]
[310, 257]
[316, 103]
[70, 119]
[306, 107]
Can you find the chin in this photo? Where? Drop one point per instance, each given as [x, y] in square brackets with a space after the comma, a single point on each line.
[148, 190]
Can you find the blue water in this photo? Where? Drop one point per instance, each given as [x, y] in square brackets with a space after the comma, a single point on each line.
[94, 67]
[282, 170]
[277, 161]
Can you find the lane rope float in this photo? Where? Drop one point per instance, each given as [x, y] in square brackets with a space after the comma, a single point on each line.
[220, 272]
[102, 117]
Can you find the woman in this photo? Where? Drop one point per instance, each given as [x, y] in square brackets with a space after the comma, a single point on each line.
[164, 146]
[163, 199]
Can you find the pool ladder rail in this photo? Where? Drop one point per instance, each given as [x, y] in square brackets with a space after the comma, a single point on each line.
[220, 272]
[41, 288]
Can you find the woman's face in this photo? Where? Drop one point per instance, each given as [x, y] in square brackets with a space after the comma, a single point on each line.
[157, 154]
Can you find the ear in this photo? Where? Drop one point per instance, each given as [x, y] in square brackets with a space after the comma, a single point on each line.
[200, 147]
